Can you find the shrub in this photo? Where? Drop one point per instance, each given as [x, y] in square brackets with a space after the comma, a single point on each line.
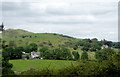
[27, 56]
[84, 56]
[76, 55]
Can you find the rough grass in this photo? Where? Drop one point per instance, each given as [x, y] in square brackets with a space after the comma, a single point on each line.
[24, 65]
[15, 35]
[91, 55]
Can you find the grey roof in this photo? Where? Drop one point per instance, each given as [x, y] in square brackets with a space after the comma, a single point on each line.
[38, 53]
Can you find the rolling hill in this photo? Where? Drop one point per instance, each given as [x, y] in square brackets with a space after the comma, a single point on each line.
[52, 40]
[22, 37]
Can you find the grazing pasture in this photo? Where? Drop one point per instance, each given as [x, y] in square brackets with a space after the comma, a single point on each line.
[24, 65]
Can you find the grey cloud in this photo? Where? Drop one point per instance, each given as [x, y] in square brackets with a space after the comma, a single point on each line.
[15, 9]
[15, 6]
[10, 6]
[82, 8]
[74, 19]
[0, 14]
[64, 20]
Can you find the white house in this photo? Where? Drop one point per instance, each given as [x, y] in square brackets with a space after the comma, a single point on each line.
[35, 55]
[104, 46]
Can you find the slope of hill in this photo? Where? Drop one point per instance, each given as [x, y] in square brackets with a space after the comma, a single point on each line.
[52, 40]
[12, 33]
[22, 37]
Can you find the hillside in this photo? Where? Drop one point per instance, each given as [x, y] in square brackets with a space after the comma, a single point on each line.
[22, 38]
[12, 33]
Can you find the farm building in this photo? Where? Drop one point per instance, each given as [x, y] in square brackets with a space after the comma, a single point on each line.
[33, 55]
[104, 46]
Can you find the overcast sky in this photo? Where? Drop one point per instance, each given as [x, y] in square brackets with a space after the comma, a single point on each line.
[69, 17]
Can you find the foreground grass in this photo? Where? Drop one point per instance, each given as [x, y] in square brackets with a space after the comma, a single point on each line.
[24, 65]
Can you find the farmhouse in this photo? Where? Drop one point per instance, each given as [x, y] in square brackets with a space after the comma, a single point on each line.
[104, 46]
[33, 55]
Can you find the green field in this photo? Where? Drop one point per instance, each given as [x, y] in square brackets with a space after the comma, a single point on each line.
[24, 65]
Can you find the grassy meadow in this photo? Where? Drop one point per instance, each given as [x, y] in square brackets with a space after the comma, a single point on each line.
[24, 65]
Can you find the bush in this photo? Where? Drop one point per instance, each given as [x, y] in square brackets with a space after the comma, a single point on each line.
[7, 71]
[27, 56]
[76, 55]
[33, 46]
[84, 56]
[105, 54]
